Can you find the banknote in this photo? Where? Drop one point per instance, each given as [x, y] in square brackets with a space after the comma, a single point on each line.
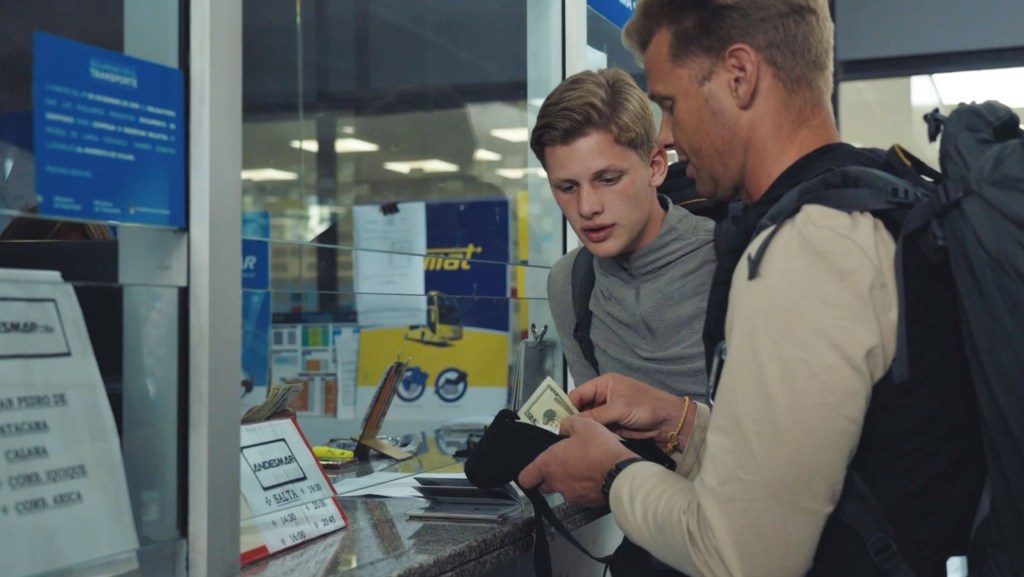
[547, 406]
[278, 398]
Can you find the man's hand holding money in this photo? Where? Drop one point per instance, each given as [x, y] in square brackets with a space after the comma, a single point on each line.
[547, 406]
[576, 466]
[628, 407]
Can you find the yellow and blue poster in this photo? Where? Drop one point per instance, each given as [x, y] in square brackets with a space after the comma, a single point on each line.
[455, 331]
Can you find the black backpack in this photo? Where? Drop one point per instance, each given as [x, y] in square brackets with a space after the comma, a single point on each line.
[970, 216]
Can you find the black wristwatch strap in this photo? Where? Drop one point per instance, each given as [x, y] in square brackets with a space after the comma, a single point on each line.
[606, 486]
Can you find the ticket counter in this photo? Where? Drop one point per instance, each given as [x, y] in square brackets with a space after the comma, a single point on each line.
[381, 540]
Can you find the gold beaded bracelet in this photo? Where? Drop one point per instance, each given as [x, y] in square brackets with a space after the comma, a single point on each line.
[673, 437]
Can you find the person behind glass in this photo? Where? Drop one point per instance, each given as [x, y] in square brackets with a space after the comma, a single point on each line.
[595, 137]
[805, 393]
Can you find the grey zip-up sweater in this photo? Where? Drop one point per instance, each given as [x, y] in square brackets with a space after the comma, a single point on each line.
[648, 307]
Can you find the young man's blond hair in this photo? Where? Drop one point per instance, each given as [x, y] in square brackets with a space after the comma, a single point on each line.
[607, 100]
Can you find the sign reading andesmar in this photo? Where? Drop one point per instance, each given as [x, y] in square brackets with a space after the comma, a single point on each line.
[61, 475]
[286, 498]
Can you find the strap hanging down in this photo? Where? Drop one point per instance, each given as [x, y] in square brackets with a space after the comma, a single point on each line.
[859, 509]
[541, 550]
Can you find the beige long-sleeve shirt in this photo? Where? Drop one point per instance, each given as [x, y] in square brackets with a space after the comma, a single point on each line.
[808, 338]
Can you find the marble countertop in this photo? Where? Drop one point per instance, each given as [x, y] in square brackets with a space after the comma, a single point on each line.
[381, 541]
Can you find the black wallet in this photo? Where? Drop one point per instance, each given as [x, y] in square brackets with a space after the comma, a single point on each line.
[507, 447]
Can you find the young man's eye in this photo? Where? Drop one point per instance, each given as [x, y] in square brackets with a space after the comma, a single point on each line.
[567, 188]
[610, 180]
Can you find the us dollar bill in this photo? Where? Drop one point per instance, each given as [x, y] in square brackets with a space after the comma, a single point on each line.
[547, 406]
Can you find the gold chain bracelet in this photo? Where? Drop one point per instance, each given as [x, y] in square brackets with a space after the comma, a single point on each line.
[673, 437]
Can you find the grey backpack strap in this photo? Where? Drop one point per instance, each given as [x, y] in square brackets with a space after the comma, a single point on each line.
[583, 279]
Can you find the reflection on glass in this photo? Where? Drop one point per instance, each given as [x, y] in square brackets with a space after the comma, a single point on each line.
[134, 330]
[405, 212]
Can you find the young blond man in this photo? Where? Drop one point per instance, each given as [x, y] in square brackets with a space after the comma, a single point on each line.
[595, 137]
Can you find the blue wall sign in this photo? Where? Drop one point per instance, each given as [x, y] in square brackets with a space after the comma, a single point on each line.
[255, 252]
[618, 12]
[108, 135]
[256, 301]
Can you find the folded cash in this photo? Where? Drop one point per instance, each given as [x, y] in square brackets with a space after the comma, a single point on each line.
[278, 398]
[547, 406]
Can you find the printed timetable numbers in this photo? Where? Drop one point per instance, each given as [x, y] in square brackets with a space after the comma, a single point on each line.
[287, 518]
[297, 536]
[301, 522]
[290, 500]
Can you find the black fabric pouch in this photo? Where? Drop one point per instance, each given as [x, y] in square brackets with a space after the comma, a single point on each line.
[508, 446]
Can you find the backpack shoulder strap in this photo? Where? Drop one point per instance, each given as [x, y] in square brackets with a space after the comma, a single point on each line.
[855, 189]
[858, 507]
[850, 189]
[583, 279]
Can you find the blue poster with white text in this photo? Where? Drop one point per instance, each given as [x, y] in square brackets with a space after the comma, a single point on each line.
[108, 135]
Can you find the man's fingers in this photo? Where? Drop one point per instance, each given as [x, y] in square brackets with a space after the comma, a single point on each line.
[602, 414]
[567, 426]
[530, 476]
[582, 396]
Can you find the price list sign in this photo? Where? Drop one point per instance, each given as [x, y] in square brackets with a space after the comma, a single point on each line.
[286, 498]
[62, 479]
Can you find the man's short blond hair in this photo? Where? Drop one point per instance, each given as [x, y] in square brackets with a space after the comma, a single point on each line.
[795, 37]
[606, 100]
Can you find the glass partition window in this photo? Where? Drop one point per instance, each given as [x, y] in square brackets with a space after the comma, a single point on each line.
[885, 111]
[387, 172]
[80, 82]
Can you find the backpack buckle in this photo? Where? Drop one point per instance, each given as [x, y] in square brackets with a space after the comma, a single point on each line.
[947, 195]
[882, 549]
[903, 196]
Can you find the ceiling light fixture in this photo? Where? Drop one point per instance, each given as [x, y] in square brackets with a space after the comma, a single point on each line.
[427, 165]
[341, 145]
[262, 174]
[484, 154]
[511, 134]
[517, 173]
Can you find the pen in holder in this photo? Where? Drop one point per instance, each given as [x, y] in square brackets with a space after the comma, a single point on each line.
[531, 366]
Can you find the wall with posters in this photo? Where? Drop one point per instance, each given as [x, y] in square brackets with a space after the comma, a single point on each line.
[447, 313]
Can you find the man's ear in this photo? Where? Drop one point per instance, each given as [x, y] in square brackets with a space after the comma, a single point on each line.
[659, 166]
[742, 70]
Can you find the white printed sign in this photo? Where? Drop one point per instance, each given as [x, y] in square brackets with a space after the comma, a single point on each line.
[31, 327]
[286, 498]
[63, 478]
